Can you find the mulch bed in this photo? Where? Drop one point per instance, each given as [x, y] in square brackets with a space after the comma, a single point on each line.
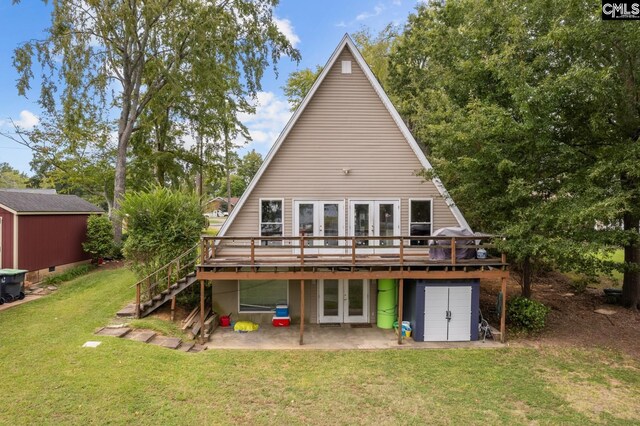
[572, 320]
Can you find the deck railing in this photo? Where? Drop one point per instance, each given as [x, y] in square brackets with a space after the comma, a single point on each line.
[163, 277]
[353, 250]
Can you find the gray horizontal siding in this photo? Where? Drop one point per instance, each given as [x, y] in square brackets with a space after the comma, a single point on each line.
[345, 125]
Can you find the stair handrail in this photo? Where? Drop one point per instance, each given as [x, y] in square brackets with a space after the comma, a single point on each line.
[170, 273]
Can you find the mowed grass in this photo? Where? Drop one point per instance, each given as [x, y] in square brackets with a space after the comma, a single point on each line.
[48, 378]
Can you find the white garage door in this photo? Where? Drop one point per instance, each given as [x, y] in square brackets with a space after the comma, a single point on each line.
[447, 314]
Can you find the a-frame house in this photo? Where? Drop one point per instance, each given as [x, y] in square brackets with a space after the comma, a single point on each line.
[338, 220]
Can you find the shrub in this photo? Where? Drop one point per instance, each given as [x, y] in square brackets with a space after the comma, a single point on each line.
[527, 314]
[99, 242]
[580, 283]
[67, 275]
[161, 225]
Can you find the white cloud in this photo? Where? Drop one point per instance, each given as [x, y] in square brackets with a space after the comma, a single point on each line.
[377, 10]
[397, 2]
[285, 27]
[272, 114]
[27, 120]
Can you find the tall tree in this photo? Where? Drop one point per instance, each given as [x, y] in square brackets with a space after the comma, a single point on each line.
[12, 178]
[141, 49]
[376, 49]
[249, 166]
[298, 85]
[532, 118]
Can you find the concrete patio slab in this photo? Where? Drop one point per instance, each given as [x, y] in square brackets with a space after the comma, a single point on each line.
[327, 338]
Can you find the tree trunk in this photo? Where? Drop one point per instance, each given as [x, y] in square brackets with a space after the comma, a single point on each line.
[125, 130]
[119, 187]
[199, 177]
[631, 281]
[227, 165]
[526, 278]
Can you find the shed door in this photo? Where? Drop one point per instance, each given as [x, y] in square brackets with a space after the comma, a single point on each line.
[460, 308]
[447, 314]
[436, 301]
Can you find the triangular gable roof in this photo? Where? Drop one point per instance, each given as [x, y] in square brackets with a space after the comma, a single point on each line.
[346, 42]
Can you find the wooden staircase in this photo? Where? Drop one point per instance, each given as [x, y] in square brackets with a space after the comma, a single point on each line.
[166, 283]
[167, 294]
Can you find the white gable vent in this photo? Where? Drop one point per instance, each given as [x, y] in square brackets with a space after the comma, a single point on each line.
[346, 67]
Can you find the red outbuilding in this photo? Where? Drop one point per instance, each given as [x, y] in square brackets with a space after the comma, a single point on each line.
[42, 231]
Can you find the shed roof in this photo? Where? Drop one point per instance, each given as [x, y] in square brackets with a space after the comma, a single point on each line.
[29, 202]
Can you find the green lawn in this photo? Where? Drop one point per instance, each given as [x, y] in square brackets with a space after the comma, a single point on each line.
[47, 377]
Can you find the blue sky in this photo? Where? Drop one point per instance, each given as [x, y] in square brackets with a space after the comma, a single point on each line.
[314, 26]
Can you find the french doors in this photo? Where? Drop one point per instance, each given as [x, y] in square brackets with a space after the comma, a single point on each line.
[372, 219]
[319, 219]
[343, 301]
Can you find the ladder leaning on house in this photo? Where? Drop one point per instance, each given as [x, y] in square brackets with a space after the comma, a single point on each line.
[166, 283]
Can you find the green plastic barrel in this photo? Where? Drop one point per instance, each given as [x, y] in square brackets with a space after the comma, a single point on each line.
[387, 303]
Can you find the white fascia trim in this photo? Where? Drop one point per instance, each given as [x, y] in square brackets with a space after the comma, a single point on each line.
[12, 211]
[346, 41]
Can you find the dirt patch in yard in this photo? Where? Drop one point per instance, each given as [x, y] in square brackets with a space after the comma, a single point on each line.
[572, 320]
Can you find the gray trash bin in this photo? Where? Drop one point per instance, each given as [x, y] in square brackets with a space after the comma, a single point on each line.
[11, 285]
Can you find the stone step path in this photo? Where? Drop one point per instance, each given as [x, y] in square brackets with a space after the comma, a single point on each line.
[151, 337]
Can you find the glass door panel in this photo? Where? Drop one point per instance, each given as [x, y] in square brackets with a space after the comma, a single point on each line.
[306, 221]
[330, 301]
[356, 301]
[361, 222]
[331, 223]
[386, 222]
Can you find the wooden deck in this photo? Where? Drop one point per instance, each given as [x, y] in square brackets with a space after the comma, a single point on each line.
[346, 257]
[310, 258]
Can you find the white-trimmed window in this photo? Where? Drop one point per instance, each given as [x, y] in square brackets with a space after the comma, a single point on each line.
[420, 220]
[262, 295]
[271, 220]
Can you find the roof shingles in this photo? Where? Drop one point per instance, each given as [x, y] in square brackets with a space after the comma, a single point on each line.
[24, 202]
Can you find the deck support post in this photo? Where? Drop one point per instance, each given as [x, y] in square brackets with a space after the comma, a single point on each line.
[400, 302]
[301, 312]
[212, 310]
[503, 309]
[173, 308]
[202, 312]
[138, 300]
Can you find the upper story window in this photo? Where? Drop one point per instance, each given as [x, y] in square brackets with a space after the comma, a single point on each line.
[271, 220]
[420, 220]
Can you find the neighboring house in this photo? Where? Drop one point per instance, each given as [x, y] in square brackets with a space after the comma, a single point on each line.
[220, 204]
[338, 206]
[42, 231]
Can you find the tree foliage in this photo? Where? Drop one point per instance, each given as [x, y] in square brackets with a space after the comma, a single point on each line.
[99, 242]
[161, 224]
[203, 58]
[11, 178]
[531, 117]
[298, 85]
[249, 166]
[375, 49]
